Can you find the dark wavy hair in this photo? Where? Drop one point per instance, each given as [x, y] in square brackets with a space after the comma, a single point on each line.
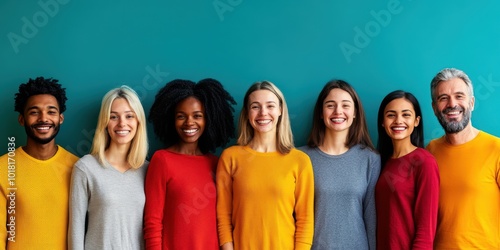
[358, 132]
[384, 145]
[219, 119]
[40, 86]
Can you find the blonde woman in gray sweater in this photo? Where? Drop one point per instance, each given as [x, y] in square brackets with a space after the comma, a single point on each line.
[107, 185]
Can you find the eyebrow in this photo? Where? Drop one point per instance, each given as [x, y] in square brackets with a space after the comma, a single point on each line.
[37, 107]
[128, 111]
[182, 112]
[335, 101]
[394, 111]
[454, 93]
[265, 102]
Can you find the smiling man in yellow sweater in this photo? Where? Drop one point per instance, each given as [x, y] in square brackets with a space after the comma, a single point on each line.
[34, 179]
[469, 165]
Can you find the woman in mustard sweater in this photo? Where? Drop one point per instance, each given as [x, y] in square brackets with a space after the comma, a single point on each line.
[265, 187]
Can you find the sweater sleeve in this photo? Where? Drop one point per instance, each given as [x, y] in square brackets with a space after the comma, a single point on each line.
[224, 184]
[369, 212]
[155, 190]
[304, 206]
[78, 206]
[426, 203]
[498, 172]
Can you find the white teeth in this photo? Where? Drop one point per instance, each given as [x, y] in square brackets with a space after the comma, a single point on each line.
[262, 122]
[337, 119]
[43, 128]
[189, 131]
[123, 132]
[398, 128]
[454, 113]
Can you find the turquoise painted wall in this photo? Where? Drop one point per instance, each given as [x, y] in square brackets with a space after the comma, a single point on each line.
[377, 46]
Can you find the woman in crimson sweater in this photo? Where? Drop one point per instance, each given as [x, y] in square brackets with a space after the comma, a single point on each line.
[407, 191]
[191, 120]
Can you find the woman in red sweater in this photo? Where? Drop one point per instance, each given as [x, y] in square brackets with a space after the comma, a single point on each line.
[407, 192]
[191, 120]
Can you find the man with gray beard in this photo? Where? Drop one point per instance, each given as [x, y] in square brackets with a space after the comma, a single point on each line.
[469, 165]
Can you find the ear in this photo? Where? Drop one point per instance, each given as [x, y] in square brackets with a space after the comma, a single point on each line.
[61, 119]
[417, 121]
[20, 119]
[472, 102]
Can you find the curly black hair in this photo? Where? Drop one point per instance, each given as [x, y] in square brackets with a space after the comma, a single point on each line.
[219, 128]
[40, 86]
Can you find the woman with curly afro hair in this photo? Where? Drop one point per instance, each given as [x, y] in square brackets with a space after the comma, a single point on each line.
[192, 120]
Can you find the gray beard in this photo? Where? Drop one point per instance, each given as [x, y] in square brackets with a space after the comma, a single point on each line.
[453, 127]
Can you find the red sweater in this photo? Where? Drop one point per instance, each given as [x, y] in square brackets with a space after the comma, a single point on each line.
[180, 202]
[407, 196]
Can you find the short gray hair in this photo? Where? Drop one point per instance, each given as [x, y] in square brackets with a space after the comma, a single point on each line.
[448, 74]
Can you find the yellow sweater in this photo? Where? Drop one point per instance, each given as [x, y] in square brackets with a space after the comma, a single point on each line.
[469, 200]
[34, 200]
[265, 200]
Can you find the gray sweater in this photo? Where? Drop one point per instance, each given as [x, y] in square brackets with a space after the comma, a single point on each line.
[113, 203]
[344, 202]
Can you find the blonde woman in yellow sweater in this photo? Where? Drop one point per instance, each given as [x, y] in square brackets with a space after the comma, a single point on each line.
[265, 187]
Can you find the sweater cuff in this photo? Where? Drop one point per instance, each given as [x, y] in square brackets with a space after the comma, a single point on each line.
[302, 246]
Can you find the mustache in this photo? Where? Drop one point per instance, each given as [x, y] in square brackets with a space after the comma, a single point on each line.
[456, 108]
[42, 124]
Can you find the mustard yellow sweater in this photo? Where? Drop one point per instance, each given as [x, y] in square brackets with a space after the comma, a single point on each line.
[265, 200]
[34, 200]
[469, 199]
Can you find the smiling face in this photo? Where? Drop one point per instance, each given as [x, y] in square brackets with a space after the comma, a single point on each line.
[41, 118]
[189, 120]
[338, 110]
[453, 105]
[122, 125]
[264, 111]
[399, 119]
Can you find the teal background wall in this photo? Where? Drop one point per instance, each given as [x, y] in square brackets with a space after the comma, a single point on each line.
[377, 46]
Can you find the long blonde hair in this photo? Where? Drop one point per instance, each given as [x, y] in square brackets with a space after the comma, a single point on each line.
[139, 146]
[284, 136]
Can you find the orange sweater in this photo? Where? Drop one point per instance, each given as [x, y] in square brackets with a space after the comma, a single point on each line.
[36, 202]
[469, 200]
[265, 200]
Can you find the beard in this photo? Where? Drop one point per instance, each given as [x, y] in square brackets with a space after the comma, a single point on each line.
[43, 141]
[454, 126]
